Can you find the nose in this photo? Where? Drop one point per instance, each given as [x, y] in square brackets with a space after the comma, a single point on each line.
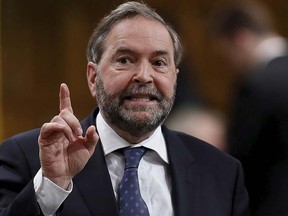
[143, 73]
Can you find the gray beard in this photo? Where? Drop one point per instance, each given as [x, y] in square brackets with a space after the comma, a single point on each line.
[113, 108]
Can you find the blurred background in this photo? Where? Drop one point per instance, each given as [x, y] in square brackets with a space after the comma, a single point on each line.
[43, 44]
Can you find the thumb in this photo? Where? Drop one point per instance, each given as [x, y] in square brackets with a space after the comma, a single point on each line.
[91, 139]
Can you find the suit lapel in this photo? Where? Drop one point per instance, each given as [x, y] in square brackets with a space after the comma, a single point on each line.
[93, 182]
[184, 174]
[95, 186]
[96, 189]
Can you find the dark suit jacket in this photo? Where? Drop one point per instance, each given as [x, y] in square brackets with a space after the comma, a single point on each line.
[205, 181]
[259, 137]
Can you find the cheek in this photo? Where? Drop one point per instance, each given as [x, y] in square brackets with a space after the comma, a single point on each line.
[116, 83]
[166, 85]
[113, 80]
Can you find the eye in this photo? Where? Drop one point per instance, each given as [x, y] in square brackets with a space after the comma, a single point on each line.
[160, 63]
[123, 60]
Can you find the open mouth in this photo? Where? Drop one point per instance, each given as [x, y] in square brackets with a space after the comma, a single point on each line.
[140, 97]
[143, 100]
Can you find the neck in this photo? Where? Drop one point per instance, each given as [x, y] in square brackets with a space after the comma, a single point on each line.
[131, 138]
[131, 135]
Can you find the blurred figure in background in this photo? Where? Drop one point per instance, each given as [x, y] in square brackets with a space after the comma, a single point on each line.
[258, 131]
[193, 114]
[201, 122]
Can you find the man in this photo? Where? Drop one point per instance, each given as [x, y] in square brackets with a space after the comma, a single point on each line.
[259, 122]
[132, 69]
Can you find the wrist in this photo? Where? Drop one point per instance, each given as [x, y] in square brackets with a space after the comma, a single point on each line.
[64, 181]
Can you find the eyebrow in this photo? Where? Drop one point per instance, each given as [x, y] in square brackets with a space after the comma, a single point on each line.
[123, 50]
[130, 51]
[160, 53]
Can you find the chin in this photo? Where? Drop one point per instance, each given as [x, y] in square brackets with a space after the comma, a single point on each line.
[141, 115]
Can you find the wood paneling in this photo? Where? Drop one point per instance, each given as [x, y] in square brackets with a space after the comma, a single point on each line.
[44, 42]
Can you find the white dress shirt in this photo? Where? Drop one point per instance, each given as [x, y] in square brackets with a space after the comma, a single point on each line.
[154, 178]
[270, 48]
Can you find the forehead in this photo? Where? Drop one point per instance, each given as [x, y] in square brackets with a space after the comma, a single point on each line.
[142, 33]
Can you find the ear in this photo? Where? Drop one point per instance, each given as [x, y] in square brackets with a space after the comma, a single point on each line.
[243, 38]
[177, 72]
[91, 77]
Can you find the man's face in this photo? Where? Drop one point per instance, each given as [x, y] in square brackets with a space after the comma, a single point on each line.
[136, 77]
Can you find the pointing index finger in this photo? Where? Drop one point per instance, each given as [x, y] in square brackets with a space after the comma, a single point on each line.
[64, 98]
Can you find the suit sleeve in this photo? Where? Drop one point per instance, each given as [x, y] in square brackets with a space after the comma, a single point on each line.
[17, 194]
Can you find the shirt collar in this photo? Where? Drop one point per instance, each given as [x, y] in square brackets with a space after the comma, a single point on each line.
[271, 47]
[111, 141]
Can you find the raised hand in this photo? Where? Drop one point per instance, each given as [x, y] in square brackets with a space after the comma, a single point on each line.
[63, 150]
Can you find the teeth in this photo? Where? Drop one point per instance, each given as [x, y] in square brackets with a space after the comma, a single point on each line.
[140, 98]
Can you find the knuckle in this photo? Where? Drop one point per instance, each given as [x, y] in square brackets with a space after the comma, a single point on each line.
[44, 126]
[63, 112]
[56, 118]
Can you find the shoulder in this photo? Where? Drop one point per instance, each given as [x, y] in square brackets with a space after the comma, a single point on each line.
[279, 63]
[273, 73]
[21, 150]
[200, 150]
[23, 138]
[24, 143]
[203, 160]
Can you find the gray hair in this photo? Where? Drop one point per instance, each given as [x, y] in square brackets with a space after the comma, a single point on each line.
[96, 44]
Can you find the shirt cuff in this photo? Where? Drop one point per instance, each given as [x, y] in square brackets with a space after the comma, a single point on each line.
[49, 195]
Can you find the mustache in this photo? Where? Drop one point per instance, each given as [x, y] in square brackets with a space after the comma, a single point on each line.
[150, 91]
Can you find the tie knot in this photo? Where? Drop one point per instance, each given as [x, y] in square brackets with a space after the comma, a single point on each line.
[133, 156]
